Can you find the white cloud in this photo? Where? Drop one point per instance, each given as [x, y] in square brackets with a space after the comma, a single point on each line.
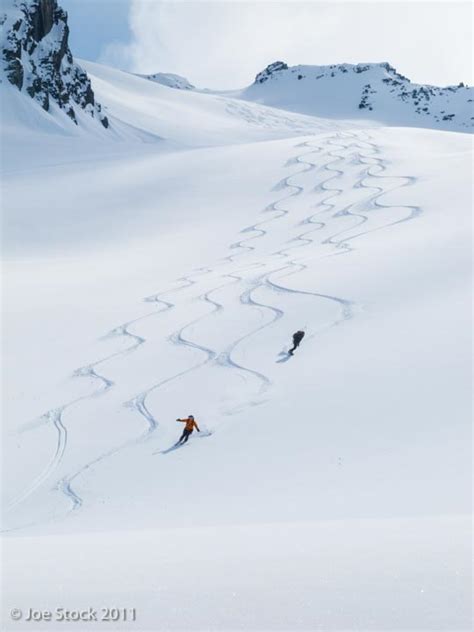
[223, 44]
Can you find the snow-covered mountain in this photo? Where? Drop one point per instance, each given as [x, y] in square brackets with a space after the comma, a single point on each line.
[36, 58]
[37, 61]
[159, 268]
[372, 92]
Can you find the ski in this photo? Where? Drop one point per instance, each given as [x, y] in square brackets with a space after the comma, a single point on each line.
[176, 446]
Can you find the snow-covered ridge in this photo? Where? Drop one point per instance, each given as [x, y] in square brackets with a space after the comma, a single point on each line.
[372, 91]
[170, 80]
[37, 60]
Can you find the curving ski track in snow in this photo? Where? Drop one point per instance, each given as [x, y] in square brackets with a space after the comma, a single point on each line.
[274, 206]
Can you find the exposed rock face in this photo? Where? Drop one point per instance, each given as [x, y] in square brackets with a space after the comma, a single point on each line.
[270, 70]
[37, 58]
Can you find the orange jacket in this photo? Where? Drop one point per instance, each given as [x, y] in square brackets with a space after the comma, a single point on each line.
[190, 424]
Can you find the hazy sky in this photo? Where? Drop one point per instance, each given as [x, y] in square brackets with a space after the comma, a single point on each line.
[223, 44]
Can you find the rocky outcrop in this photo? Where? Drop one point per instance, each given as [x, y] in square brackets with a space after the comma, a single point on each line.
[37, 59]
[270, 70]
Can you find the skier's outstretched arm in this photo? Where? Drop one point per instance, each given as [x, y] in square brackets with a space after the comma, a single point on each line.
[183, 420]
[196, 426]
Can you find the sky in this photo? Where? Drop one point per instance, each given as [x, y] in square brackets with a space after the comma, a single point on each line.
[223, 44]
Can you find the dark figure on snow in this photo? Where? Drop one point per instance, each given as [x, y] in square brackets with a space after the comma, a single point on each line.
[297, 338]
[188, 428]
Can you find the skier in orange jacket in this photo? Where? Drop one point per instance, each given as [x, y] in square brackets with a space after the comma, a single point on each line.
[188, 428]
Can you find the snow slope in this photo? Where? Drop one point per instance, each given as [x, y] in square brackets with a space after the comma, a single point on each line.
[155, 279]
[191, 118]
[171, 80]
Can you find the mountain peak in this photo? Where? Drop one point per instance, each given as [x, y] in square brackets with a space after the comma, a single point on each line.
[37, 59]
[278, 68]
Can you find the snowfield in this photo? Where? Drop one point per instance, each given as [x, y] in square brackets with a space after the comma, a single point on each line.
[160, 268]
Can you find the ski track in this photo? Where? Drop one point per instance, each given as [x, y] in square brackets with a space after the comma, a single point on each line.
[371, 204]
[273, 207]
[54, 416]
[138, 403]
[245, 298]
[292, 266]
[264, 280]
[334, 193]
[345, 305]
